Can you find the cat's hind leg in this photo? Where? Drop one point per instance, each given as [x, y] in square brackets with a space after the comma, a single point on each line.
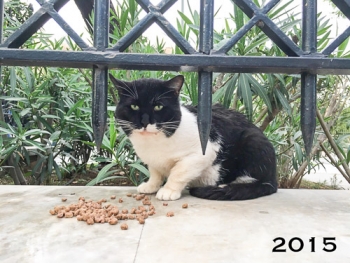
[153, 184]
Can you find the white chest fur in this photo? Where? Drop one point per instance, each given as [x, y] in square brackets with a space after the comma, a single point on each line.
[163, 152]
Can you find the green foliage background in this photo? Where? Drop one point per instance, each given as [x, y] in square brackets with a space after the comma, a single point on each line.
[51, 107]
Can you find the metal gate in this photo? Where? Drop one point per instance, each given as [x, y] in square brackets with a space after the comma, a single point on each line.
[305, 61]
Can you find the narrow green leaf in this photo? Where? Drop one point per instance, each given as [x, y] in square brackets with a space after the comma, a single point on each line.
[57, 170]
[260, 91]
[284, 102]
[246, 93]
[13, 78]
[102, 174]
[49, 164]
[17, 121]
[141, 168]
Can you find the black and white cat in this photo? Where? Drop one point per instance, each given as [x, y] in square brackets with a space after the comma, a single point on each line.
[239, 163]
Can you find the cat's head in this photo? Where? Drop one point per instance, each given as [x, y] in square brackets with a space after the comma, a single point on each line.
[149, 106]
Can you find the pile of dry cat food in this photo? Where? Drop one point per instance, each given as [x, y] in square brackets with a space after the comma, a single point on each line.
[100, 212]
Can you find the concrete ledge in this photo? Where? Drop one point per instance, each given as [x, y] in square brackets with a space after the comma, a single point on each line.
[208, 231]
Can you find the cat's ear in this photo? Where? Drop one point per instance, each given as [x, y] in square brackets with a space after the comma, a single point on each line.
[118, 83]
[176, 83]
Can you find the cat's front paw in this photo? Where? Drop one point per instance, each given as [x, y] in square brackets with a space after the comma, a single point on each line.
[147, 188]
[167, 194]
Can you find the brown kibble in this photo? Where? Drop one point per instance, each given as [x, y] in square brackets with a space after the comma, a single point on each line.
[120, 217]
[131, 217]
[125, 217]
[165, 204]
[124, 211]
[52, 212]
[170, 214]
[113, 221]
[82, 198]
[146, 202]
[139, 197]
[133, 210]
[113, 197]
[185, 205]
[124, 226]
[121, 200]
[146, 197]
[60, 214]
[64, 199]
[90, 221]
[151, 212]
[80, 218]
[141, 220]
[151, 207]
[103, 200]
[68, 215]
[129, 195]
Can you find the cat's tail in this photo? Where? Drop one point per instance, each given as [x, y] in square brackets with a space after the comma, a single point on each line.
[235, 191]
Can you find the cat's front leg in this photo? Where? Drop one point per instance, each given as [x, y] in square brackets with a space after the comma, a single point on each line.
[181, 174]
[153, 184]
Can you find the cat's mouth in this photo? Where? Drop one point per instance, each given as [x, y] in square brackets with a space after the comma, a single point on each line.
[149, 130]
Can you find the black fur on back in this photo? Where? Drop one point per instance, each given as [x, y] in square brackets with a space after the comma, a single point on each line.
[245, 151]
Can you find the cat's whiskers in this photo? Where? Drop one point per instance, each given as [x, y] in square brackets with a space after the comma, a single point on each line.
[131, 91]
[161, 96]
[126, 125]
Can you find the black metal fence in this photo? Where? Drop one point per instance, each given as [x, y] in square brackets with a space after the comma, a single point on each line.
[305, 61]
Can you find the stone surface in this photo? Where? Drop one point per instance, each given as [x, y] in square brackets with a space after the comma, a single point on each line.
[207, 231]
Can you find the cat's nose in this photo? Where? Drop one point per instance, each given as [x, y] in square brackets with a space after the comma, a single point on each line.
[145, 120]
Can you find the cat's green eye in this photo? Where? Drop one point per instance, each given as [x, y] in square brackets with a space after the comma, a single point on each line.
[158, 107]
[134, 107]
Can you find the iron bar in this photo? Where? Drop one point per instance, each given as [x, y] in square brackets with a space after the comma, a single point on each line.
[308, 81]
[336, 42]
[186, 63]
[155, 14]
[60, 21]
[269, 27]
[205, 78]
[100, 72]
[344, 6]
[33, 24]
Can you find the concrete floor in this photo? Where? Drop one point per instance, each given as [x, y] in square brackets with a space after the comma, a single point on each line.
[207, 231]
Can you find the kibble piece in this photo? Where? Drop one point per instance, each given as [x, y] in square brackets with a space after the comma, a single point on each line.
[185, 205]
[133, 210]
[139, 197]
[124, 226]
[170, 214]
[141, 220]
[124, 211]
[60, 214]
[113, 197]
[52, 212]
[146, 202]
[68, 215]
[82, 198]
[130, 216]
[151, 212]
[90, 221]
[113, 221]
[79, 218]
[134, 195]
[119, 216]
[151, 207]
[165, 204]
[64, 199]
[121, 200]
[129, 195]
